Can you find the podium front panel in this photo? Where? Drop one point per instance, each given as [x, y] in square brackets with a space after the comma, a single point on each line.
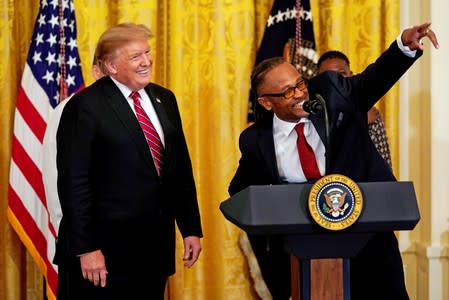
[283, 209]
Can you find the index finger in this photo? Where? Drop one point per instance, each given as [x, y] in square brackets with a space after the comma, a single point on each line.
[433, 38]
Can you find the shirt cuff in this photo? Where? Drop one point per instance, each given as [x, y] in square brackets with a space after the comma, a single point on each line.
[405, 49]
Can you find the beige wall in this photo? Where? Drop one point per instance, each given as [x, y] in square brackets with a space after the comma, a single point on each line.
[424, 154]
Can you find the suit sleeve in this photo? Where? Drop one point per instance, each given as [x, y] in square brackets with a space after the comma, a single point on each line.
[242, 176]
[378, 78]
[254, 167]
[369, 86]
[74, 143]
[186, 207]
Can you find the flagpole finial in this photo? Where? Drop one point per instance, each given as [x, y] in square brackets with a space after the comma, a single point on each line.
[63, 89]
[297, 55]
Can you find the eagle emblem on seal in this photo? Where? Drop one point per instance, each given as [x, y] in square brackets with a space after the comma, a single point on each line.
[335, 202]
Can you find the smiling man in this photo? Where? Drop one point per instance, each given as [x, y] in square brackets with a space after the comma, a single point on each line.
[286, 144]
[125, 177]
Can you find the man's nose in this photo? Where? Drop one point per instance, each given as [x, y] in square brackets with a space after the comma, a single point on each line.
[299, 92]
[147, 60]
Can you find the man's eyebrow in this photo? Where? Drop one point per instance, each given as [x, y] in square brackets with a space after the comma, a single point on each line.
[299, 79]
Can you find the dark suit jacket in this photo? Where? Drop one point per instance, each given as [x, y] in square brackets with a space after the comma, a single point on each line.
[111, 196]
[351, 153]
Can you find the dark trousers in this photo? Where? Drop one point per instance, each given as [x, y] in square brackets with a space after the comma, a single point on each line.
[141, 284]
[377, 271]
[274, 263]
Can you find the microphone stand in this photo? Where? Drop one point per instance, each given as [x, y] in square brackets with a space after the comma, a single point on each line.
[326, 124]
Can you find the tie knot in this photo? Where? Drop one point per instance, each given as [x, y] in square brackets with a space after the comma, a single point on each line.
[135, 96]
[299, 129]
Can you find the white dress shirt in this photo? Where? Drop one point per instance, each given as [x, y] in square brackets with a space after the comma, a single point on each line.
[287, 156]
[49, 170]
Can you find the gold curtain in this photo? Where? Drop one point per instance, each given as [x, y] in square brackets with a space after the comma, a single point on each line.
[204, 51]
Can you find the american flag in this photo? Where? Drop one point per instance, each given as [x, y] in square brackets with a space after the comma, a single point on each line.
[52, 72]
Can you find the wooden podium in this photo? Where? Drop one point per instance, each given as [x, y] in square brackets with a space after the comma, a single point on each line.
[283, 210]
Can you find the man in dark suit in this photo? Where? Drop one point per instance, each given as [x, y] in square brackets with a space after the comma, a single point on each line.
[125, 177]
[270, 155]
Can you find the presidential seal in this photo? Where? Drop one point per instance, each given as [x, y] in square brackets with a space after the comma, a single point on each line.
[335, 202]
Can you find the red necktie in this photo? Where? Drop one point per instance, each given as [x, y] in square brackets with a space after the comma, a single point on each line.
[151, 135]
[306, 155]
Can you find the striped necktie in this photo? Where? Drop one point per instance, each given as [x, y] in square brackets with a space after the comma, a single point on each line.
[151, 135]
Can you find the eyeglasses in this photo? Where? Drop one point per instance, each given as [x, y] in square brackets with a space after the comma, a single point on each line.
[290, 91]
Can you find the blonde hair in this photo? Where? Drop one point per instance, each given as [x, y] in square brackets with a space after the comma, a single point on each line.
[116, 37]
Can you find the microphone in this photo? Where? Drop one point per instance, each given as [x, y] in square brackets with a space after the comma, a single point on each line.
[314, 106]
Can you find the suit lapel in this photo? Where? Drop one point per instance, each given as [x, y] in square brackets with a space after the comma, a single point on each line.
[159, 107]
[266, 144]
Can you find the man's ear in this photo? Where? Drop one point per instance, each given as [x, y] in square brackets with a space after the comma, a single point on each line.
[265, 103]
[96, 72]
[110, 67]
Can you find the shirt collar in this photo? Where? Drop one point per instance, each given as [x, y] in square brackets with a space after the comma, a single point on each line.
[126, 91]
[285, 127]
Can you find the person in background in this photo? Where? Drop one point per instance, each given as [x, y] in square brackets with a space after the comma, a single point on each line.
[124, 178]
[49, 171]
[269, 154]
[337, 61]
